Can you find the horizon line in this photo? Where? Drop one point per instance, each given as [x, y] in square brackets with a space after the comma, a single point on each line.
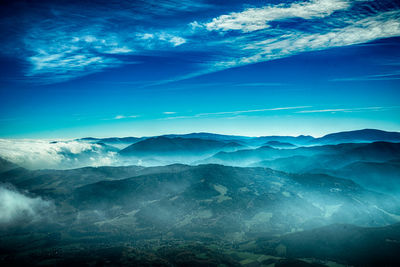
[190, 133]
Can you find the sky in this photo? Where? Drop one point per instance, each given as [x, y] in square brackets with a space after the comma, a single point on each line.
[70, 69]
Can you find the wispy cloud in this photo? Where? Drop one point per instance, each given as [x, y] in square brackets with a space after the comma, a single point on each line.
[69, 41]
[120, 117]
[290, 42]
[258, 84]
[251, 111]
[169, 112]
[74, 53]
[237, 112]
[375, 77]
[253, 19]
[249, 36]
[296, 109]
[334, 110]
[65, 42]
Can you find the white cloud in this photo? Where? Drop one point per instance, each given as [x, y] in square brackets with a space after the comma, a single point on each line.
[169, 112]
[16, 207]
[62, 47]
[253, 19]
[343, 110]
[119, 117]
[237, 112]
[177, 41]
[146, 36]
[375, 77]
[250, 111]
[43, 154]
[291, 42]
[72, 54]
[60, 51]
[120, 50]
[172, 39]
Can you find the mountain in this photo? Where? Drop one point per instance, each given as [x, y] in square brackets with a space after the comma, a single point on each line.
[284, 201]
[307, 158]
[6, 165]
[297, 140]
[210, 136]
[379, 176]
[217, 201]
[204, 200]
[113, 140]
[166, 146]
[296, 164]
[243, 157]
[246, 140]
[366, 135]
[243, 140]
[58, 182]
[277, 144]
[118, 142]
[343, 243]
[179, 214]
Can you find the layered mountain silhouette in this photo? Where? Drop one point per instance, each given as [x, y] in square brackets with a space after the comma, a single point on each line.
[166, 146]
[277, 144]
[341, 153]
[366, 135]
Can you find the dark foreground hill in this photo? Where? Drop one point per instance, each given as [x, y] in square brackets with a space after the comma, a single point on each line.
[343, 243]
[203, 215]
[205, 200]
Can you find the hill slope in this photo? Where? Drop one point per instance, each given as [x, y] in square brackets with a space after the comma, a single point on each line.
[164, 145]
[365, 135]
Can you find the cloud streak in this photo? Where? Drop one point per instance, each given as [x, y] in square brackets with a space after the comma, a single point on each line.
[241, 113]
[334, 110]
[120, 117]
[291, 42]
[375, 77]
[237, 112]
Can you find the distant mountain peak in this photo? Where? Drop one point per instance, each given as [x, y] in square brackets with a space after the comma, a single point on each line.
[164, 144]
[363, 135]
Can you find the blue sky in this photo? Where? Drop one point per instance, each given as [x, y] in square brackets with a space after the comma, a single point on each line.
[135, 68]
